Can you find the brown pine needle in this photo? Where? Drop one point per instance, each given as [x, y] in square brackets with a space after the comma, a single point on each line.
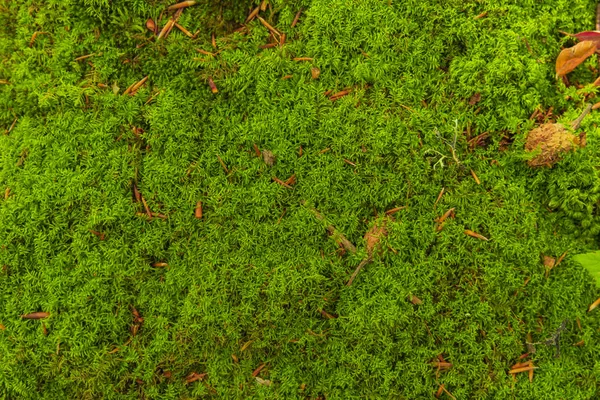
[269, 46]
[475, 235]
[183, 4]
[594, 305]
[213, 40]
[523, 364]
[167, 28]
[160, 264]
[395, 210]
[148, 212]
[223, 165]
[439, 197]
[296, 18]
[446, 215]
[257, 150]
[449, 394]
[522, 369]
[336, 235]
[562, 257]
[291, 180]
[198, 210]
[12, 126]
[35, 35]
[185, 31]
[206, 53]
[268, 26]
[482, 15]
[257, 370]
[4, 82]
[338, 95]
[531, 376]
[6, 193]
[439, 391]
[303, 58]
[253, 14]
[138, 85]
[245, 346]
[84, 57]
[349, 162]
[36, 315]
[441, 364]
[282, 183]
[282, 39]
[475, 177]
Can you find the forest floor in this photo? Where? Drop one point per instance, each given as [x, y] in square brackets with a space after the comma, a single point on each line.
[181, 214]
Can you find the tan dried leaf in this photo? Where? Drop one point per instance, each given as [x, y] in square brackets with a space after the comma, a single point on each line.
[570, 58]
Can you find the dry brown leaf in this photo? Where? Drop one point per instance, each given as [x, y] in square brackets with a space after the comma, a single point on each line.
[570, 58]
[315, 72]
[549, 262]
[374, 235]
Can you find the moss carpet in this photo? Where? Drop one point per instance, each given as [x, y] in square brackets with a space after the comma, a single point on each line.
[222, 276]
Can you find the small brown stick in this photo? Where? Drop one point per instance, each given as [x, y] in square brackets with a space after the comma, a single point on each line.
[349, 162]
[84, 57]
[357, 270]
[575, 124]
[439, 391]
[482, 15]
[268, 46]
[282, 39]
[594, 305]
[291, 180]
[185, 31]
[303, 58]
[11, 126]
[282, 183]
[296, 18]
[213, 40]
[257, 150]
[223, 165]
[4, 82]
[148, 212]
[6, 193]
[337, 236]
[183, 4]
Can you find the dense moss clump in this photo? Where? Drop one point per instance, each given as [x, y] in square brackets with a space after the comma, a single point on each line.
[222, 275]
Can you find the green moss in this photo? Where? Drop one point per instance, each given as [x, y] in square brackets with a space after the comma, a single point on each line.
[259, 267]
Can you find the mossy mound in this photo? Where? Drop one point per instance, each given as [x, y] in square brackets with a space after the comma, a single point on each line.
[146, 300]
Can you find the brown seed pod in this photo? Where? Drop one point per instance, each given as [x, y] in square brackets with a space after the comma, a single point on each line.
[151, 25]
[551, 140]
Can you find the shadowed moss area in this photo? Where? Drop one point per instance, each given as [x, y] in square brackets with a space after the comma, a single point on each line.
[257, 281]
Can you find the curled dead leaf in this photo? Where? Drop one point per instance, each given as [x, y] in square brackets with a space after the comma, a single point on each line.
[570, 58]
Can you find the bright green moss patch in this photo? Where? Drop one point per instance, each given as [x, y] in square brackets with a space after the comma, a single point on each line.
[257, 280]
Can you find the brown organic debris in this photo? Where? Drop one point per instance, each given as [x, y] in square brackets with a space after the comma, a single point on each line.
[296, 18]
[36, 315]
[335, 234]
[268, 157]
[475, 235]
[213, 87]
[373, 242]
[257, 370]
[282, 183]
[198, 210]
[194, 376]
[551, 141]
[594, 305]
[315, 72]
[151, 25]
